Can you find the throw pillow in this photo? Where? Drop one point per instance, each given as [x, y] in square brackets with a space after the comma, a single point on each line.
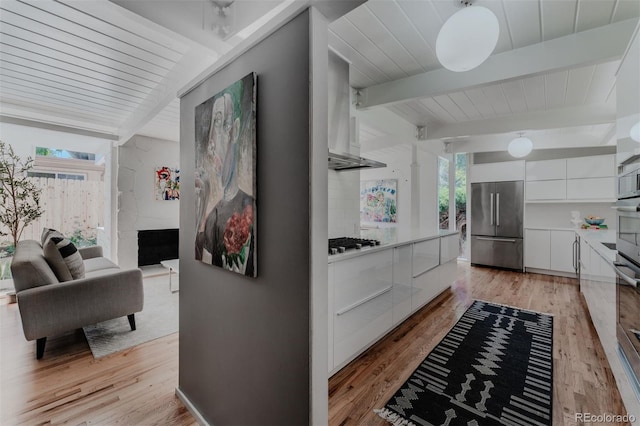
[48, 232]
[64, 258]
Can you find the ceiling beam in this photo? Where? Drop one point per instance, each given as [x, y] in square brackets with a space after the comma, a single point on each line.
[192, 62]
[590, 47]
[537, 120]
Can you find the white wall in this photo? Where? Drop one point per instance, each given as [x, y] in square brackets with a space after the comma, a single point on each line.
[399, 160]
[344, 204]
[137, 207]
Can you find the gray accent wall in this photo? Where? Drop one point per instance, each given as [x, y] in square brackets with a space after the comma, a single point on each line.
[245, 342]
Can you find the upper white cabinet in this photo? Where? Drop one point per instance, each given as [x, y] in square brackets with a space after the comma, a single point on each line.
[497, 172]
[572, 179]
[546, 170]
[591, 167]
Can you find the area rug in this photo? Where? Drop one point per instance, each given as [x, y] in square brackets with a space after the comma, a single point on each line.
[158, 318]
[494, 367]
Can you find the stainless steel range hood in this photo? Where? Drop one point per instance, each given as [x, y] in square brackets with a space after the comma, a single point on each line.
[343, 162]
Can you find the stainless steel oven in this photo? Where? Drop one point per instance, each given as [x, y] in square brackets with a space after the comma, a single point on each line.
[628, 312]
[627, 268]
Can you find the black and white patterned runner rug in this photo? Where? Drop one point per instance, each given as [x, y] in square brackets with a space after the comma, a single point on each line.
[494, 367]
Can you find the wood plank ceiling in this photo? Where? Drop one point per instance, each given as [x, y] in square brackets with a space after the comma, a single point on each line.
[91, 65]
[388, 40]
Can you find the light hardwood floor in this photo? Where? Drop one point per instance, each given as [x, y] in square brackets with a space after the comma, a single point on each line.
[137, 386]
[583, 381]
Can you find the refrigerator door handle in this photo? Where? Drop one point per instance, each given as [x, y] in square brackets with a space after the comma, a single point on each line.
[497, 209]
[491, 215]
[500, 240]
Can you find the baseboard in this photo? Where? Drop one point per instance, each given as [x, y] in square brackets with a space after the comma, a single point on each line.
[192, 409]
[550, 272]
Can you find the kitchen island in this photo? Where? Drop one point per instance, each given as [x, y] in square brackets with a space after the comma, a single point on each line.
[373, 289]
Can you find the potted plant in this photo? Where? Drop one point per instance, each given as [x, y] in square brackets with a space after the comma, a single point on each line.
[19, 197]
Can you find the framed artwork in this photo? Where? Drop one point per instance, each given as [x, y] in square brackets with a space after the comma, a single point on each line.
[225, 180]
[167, 183]
[378, 201]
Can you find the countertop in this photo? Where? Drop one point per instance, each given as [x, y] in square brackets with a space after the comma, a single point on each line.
[389, 238]
[595, 238]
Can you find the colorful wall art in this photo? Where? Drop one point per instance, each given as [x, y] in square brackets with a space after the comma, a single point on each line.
[167, 183]
[378, 201]
[225, 178]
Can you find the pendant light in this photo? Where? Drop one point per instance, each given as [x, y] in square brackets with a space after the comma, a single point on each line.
[520, 147]
[467, 38]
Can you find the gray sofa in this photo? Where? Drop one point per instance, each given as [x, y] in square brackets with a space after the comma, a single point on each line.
[49, 307]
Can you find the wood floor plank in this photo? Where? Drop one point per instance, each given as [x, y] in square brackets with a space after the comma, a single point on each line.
[136, 386]
[583, 381]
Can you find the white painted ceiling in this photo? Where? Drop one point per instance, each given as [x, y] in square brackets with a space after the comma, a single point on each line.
[387, 42]
[115, 66]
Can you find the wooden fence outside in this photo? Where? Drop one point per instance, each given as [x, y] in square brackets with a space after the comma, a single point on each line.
[70, 206]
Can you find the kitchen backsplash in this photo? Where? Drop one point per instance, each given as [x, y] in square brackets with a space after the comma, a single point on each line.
[558, 215]
[344, 204]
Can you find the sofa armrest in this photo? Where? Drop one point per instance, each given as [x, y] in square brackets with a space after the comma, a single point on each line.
[61, 307]
[90, 252]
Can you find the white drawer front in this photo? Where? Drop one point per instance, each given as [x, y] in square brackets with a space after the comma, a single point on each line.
[449, 248]
[360, 277]
[356, 328]
[425, 288]
[402, 257]
[426, 255]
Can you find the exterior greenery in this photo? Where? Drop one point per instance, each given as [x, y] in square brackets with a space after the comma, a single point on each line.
[19, 197]
[460, 185]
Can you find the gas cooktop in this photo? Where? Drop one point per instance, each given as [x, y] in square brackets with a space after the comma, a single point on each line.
[342, 244]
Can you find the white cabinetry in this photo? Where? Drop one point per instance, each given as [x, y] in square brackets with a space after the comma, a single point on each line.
[591, 167]
[550, 250]
[571, 179]
[402, 278]
[591, 188]
[362, 302]
[546, 170]
[536, 248]
[562, 251]
[546, 190]
[497, 172]
[426, 257]
[371, 293]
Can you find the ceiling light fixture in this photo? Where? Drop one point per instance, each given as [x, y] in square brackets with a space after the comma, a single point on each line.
[520, 147]
[467, 38]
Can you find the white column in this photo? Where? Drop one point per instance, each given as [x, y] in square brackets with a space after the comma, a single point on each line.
[415, 187]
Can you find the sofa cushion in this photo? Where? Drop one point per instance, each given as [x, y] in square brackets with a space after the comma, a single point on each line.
[64, 259]
[102, 272]
[98, 263]
[29, 267]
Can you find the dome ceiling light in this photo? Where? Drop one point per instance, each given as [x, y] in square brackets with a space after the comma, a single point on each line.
[520, 147]
[634, 133]
[467, 38]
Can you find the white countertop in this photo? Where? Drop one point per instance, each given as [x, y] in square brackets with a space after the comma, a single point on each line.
[552, 228]
[389, 238]
[595, 237]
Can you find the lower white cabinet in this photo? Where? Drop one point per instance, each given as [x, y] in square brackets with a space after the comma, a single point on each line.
[536, 248]
[363, 302]
[402, 282]
[562, 251]
[372, 293]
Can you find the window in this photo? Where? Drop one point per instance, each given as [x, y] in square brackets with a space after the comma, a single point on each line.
[461, 202]
[58, 175]
[443, 193]
[64, 153]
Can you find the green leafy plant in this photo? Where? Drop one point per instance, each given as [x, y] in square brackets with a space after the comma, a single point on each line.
[19, 197]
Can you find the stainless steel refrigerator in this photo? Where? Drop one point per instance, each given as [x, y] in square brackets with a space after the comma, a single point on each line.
[496, 224]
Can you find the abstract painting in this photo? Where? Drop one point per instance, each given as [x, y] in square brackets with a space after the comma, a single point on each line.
[167, 183]
[378, 201]
[225, 180]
